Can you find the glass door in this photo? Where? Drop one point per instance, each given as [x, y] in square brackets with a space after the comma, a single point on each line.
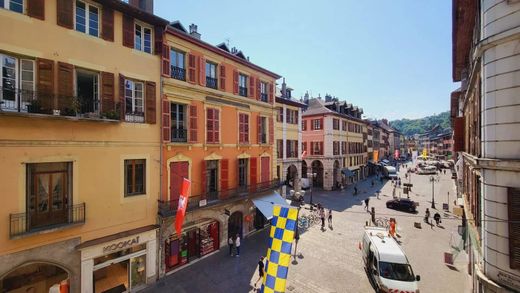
[137, 272]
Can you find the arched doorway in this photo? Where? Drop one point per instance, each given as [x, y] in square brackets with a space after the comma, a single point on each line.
[304, 169]
[235, 224]
[335, 174]
[35, 277]
[317, 167]
[292, 174]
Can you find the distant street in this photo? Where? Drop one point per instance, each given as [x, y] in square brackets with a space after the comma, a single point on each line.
[329, 260]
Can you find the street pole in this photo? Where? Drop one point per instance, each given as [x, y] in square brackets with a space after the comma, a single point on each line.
[433, 191]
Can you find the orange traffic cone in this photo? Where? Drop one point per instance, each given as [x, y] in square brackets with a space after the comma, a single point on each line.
[359, 245]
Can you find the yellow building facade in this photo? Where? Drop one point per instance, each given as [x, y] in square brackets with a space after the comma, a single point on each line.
[80, 145]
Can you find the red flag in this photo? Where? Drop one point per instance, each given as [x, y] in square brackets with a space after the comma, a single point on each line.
[304, 154]
[183, 204]
[396, 154]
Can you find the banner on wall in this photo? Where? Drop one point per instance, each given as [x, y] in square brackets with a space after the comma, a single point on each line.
[183, 204]
[376, 156]
[396, 154]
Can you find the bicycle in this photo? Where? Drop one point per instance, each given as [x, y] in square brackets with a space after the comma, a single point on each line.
[303, 222]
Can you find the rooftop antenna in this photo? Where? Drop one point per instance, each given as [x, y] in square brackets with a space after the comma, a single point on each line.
[227, 42]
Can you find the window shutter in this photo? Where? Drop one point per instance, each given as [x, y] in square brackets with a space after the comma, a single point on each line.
[513, 197]
[209, 125]
[270, 94]
[65, 86]
[246, 128]
[45, 83]
[192, 68]
[158, 40]
[193, 123]
[321, 124]
[128, 31]
[165, 60]
[216, 130]
[235, 82]
[122, 103]
[253, 170]
[251, 86]
[36, 9]
[271, 130]
[258, 89]
[151, 112]
[107, 25]
[321, 148]
[259, 128]
[222, 77]
[203, 180]
[107, 92]
[304, 125]
[202, 71]
[65, 13]
[224, 174]
[166, 120]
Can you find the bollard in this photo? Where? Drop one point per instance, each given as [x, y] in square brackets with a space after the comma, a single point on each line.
[373, 212]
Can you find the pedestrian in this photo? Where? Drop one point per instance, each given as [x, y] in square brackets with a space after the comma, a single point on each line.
[372, 182]
[230, 244]
[261, 271]
[377, 194]
[366, 203]
[237, 244]
[330, 217]
[322, 216]
[437, 218]
[427, 216]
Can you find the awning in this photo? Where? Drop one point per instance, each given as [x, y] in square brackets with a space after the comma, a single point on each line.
[347, 172]
[266, 202]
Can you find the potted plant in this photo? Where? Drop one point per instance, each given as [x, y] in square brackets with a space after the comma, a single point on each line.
[34, 107]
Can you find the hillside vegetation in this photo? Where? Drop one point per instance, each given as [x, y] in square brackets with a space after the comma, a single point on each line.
[414, 126]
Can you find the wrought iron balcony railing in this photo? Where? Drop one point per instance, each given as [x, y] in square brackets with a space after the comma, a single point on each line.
[211, 82]
[242, 91]
[179, 135]
[178, 73]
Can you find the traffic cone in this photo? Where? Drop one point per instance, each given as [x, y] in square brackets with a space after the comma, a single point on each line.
[359, 245]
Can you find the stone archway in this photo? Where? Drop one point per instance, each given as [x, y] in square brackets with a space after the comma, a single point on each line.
[317, 167]
[35, 277]
[235, 224]
[291, 175]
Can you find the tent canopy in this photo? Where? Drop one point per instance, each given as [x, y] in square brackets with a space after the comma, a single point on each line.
[266, 203]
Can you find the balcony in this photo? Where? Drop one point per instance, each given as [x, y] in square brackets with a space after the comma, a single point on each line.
[35, 103]
[24, 224]
[211, 82]
[242, 91]
[178, 73]
[168, 208]
[179, 135]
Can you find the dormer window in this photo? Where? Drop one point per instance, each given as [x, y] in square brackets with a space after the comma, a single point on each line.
[143, 38]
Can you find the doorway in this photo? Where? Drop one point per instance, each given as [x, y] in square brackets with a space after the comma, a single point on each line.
[212, 179]
[235, 224]
[87, 91]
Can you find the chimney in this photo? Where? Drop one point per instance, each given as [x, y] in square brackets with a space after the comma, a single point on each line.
[145, 5]
[234, 50]
[328, 98]
[385, 121]
[193, 31]
[284, 89]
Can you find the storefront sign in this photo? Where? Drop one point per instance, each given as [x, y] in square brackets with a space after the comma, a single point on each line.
[509, 280]
[121, 245]
[203, 202]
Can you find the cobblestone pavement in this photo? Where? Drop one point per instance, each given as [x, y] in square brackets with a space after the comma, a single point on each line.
[329, 260]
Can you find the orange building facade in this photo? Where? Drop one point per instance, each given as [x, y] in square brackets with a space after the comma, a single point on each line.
[217, 131]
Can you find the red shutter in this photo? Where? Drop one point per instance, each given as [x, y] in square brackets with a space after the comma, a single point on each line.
[222, 77]
[251, 87]
[259, 129]
[107, 25]
[202, 71]
[122, 102]
[165, 60]
[151, 112]
[304, 125]
[246, 128]
[253, 171]
[271, 131]
[241, 128]
[209, 125]
[128, 31]
[224, 174]
[107, 92]
[258, 89]
[270, 94]
[65, 86]
[158, 40]
[192, 65]
[203, 180]
[216, 130]
[36, 9]
[166, 120]
[65, 13]
[45, 84]
[193, 123]
[235, 82]
[321, 148]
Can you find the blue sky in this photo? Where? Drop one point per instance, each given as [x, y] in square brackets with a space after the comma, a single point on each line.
[390, 57]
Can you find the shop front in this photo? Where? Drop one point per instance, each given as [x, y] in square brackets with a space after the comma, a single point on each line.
[124, 262]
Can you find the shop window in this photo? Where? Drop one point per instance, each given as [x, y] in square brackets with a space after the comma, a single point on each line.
[135, 174]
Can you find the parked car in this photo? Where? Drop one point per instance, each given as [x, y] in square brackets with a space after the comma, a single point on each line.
[402, 204]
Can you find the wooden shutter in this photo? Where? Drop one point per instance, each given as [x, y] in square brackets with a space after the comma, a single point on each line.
[65, 15]
[193, 123]
[224, 174]
[158, 40]
[203, 180]
[246, 128]
[165, 57]
[222, 77]
[271, 130]
[258, 89]
[192, 64]
[259, 129]
[151, 112]
[65, 86]
[270, 94]
[235, 82]
[216, 130]
[253, 171]
[166, 120]
[321, 124]
[240, 128]
[209, 125]
[45, 84]
[513, 197]
[36, 9]
[202, 71]
[128, 31]
[321, 148]
[107, 91]
[107, 25]
[251, 86]
[122, 102]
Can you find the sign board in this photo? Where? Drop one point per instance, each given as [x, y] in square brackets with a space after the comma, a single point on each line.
[121, 245]
[408, 184]
[203, 202]
[509, 280]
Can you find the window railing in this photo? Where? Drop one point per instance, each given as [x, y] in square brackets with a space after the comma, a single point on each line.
[242, 91]
[179, 135]
[134, 117]
[263, 138]
[24, 224]
[178, 73]
[263, 97]
[169, 207]
[211, 82]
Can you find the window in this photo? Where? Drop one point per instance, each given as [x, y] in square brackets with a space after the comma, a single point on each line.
[279, 149]
[316, 148]
[243, 125]
[87, 18]
[263, 130]
[212, 125]
[211, 75]
[242, 85]
[304, 125]
[87, 91]
[292, 148]
[343, 147]
[134, 102]
[316, 124]
[13, 5]
[177, 65]
[335, 124]
[263, 92]
[178, 123]
[335, 148]
[242, 172]
[292, 116]
[16, 83]
[135, 174]
[211, 179]
[280, 115]
[143, 38]
[343, 125]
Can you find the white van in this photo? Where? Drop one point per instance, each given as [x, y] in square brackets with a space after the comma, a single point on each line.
[389, 172]
[386, 263]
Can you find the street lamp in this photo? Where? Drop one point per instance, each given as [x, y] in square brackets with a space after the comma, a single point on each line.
[432, 180]
[312, 175]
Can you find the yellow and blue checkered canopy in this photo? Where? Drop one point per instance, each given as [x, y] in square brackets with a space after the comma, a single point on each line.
[283, 227]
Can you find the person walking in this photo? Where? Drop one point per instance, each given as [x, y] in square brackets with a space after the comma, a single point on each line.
[355, 189]
[427, 217]
[261, 271]
[322, 216]
[437, 218]
[237, 244]
[330, 217]
[230, 244]
[367, 200]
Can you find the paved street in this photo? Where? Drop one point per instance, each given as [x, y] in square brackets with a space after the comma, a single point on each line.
[329, 260]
